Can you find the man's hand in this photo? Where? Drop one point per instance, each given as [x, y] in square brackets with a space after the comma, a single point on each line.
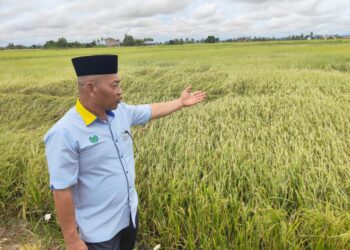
[77, 245]
[186, 99]
[73, 242]
[189, 99]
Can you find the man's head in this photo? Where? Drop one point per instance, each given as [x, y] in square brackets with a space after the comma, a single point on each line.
[103, 91]
[98, 80]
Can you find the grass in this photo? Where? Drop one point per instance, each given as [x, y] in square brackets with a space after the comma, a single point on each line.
[262, 164]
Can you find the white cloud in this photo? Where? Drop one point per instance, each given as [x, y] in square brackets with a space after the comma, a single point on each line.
[35, 21]
[205, 11]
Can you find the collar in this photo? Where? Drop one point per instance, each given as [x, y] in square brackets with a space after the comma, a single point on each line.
[87, 116]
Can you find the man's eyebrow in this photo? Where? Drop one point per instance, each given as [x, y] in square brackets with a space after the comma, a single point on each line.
[116, 81]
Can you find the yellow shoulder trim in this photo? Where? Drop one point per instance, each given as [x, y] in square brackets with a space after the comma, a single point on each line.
[87, 116]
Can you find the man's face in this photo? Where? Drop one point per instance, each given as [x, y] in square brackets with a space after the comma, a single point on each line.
[107, 91]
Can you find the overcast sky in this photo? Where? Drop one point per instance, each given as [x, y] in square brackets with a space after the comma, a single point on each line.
[36, 21]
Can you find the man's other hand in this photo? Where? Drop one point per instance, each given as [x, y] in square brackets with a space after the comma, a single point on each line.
[77, 245]
[188, 98]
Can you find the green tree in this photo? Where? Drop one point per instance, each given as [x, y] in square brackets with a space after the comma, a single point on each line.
[211, 39]
[62, 43]
[128, 40]
[139, 42]
[50, 44]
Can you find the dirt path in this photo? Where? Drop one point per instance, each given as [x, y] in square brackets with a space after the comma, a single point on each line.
[15, 236]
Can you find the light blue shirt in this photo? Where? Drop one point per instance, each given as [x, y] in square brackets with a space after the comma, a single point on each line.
[96, 159]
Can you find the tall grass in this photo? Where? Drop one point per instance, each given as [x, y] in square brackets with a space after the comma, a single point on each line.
[264, 163]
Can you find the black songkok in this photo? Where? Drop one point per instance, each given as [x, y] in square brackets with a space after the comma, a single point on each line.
[95, 65]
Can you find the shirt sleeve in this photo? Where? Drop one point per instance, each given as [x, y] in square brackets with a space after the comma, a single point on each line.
[62, 158]
[139, 114]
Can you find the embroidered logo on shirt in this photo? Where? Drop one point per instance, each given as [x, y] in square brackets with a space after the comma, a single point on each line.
[93, 138]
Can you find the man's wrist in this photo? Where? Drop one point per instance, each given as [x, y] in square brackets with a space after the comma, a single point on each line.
[71, 237]
[181, 105]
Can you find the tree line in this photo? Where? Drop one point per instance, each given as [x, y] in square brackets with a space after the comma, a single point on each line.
[129, 40]
[61, 43]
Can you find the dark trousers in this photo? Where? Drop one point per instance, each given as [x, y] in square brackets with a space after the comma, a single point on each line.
[124, 240]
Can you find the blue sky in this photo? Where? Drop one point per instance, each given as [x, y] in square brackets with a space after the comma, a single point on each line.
[36, 21]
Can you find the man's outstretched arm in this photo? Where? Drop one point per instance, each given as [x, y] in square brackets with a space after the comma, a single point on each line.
[186, 99]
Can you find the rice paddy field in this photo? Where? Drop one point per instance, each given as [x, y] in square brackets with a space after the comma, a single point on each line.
[263, 163]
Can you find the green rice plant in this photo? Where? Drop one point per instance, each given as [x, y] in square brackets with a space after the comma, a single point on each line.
[263, 163]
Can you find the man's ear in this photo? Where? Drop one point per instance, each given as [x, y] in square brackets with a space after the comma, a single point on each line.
[90, 88]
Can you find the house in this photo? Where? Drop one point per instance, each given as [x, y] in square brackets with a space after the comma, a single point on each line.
[148, 43]
[111, 42]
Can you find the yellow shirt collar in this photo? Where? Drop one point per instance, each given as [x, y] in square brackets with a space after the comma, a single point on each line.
[87, 116]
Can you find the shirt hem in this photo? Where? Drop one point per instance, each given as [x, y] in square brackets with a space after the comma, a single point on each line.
[98, 240]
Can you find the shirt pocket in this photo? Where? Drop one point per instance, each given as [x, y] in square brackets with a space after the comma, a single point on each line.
[87, 145]
[125, 142]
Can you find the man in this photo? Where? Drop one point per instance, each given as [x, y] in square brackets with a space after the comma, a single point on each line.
[90, 157]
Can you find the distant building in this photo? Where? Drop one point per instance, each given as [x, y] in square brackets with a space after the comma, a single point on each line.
[148, 43]
[330, 37]
[111, 42]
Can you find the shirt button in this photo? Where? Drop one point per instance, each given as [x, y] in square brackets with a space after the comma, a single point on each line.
[121, 156]
[127, 172]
